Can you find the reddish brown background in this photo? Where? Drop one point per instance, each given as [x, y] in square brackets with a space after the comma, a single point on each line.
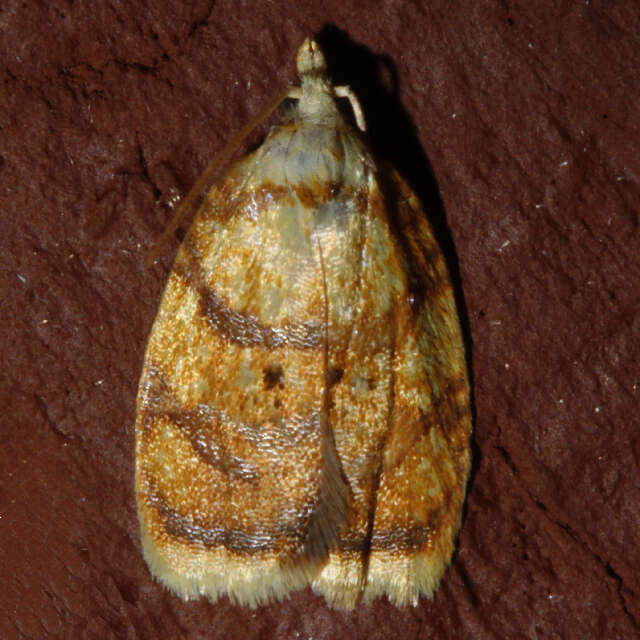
[518, 128]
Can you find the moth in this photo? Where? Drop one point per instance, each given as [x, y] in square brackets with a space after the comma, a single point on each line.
[303, 412]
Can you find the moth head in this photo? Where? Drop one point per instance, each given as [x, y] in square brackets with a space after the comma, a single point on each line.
[316, 95]
[311, 61]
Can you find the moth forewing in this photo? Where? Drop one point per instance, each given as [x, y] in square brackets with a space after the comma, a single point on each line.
[303, 412]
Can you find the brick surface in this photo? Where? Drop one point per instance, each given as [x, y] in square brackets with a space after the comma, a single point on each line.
[517, 126]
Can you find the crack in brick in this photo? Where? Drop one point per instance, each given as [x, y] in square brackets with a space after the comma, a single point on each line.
[572, 533]
[44, 410]
[145, 172]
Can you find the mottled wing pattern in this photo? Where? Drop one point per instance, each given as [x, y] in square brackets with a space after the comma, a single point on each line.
[239, 489]
[303, 412]
[426, 459]
[400, 409]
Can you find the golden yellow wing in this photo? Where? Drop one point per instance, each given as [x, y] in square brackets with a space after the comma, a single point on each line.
[303, 412]
[399, 409]
[238, 486]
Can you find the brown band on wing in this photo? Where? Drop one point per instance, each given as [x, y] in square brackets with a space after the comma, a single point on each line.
[451, 413]
[426, 271]
[452, 401]
[423, 260]
[229, 201]
[400, 541]
[235, 540]
[313, 194]
[248, 331]
[285, 538]
[405, 540]
[242, 328]
[199, 427]
[353, 542]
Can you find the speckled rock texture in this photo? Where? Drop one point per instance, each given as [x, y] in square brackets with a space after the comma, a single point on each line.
[516, 123]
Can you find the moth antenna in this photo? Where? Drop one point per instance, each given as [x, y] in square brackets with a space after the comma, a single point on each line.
[347, 92]
[214, 168]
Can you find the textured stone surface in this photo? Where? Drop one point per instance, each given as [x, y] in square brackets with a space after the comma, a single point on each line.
[518, 128]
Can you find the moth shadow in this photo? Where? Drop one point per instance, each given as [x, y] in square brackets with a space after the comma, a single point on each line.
[394, 137]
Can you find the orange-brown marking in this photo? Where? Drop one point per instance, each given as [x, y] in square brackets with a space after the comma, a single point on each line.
[245, 329]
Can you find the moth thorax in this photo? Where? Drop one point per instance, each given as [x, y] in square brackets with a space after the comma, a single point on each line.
[316, 100]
